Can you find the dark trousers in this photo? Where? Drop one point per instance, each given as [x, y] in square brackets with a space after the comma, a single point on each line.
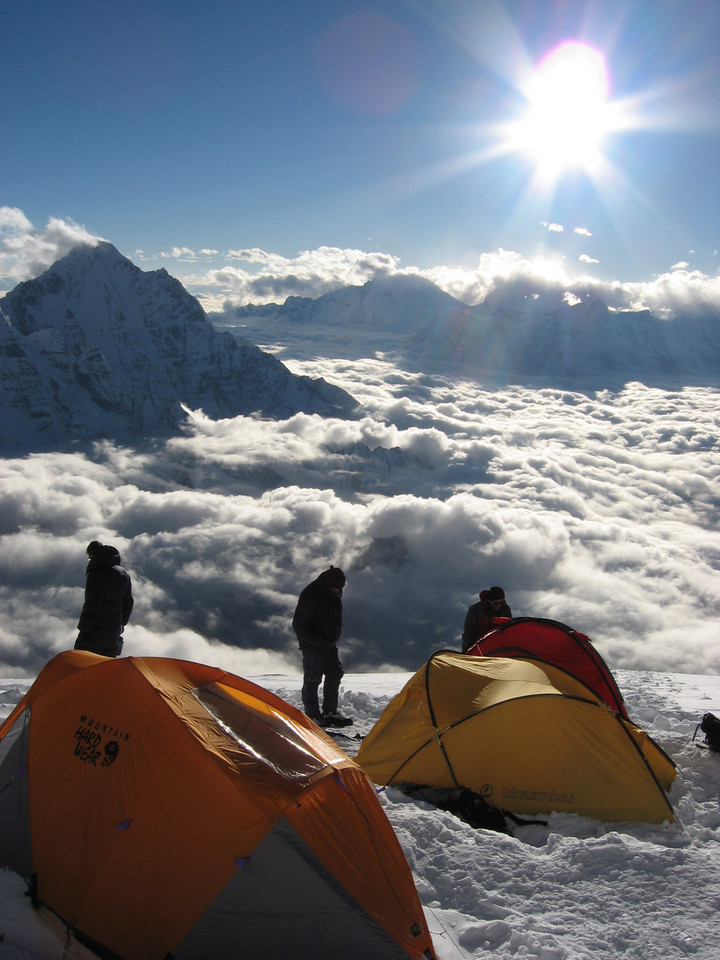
[319, 662]
[106, 648]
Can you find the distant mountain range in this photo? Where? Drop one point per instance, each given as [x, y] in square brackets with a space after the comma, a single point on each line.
[522, 329]
[400, 304]
[525, 329]
[95, 347]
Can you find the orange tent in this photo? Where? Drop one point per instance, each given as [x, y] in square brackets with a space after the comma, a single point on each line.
[165, 809]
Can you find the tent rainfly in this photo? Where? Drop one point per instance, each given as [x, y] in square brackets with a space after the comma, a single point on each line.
[166, 809]
[555, 643]
[524, 735]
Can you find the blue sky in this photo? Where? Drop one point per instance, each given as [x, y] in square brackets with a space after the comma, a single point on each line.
[225, 135]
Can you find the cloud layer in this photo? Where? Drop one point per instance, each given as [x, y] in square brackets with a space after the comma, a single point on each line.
[26, 251]
[600, 510]
[253, 276]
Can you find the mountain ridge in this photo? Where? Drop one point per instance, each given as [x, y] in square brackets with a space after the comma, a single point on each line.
[399, 304]
[96, 347]
[523, 328]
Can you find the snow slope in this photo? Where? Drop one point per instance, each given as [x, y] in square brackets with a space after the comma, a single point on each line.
[576, 889]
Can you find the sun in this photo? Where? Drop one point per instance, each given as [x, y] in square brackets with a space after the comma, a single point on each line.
[568, 113]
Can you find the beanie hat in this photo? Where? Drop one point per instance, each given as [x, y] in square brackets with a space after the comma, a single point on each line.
[333, 577]
[496, 593]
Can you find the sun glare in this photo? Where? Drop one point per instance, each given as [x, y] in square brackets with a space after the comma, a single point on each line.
[568, 113]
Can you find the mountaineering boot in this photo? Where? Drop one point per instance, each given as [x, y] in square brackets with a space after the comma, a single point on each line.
[334, 720]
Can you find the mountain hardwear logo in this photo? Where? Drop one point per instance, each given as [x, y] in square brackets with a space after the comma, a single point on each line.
[91, 746]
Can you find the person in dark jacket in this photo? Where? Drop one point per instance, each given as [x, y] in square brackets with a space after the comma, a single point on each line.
[317, 623]
[481, 616]
[108, 602]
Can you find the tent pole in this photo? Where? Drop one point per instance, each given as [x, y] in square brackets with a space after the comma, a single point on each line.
[438, 737]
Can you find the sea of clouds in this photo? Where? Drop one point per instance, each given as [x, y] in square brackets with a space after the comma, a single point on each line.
[597, 510]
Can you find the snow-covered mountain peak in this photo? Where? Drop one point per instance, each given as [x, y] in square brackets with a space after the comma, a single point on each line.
[97, 347]
[400, 304]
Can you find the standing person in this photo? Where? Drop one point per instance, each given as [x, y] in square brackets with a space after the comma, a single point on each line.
[317, 623]
[108, 602]
[481, 616]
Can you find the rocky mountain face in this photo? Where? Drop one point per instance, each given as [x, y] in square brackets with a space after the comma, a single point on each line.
[96, 347]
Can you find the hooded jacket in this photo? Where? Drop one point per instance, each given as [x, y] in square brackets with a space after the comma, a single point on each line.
[108, 603]
[318, 616]
[480, 619]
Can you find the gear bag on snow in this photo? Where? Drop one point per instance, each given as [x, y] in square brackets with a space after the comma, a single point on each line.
[710, 726]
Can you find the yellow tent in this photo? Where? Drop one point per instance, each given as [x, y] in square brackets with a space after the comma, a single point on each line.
[165, 809]
[524, 735]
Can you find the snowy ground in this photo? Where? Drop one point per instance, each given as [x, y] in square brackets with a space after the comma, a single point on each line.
[574, 890]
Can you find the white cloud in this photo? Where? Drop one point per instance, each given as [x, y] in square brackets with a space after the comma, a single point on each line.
[668, 292]
[600, 510]
[312, 275]
[184, 254]
[279, 279]
[13, 222]
[271, 277]
[26, 251]
[179, 253]
[582, 231]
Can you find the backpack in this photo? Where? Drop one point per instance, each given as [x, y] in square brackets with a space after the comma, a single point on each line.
[710, 726]
[467, 806]
[474, 810]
